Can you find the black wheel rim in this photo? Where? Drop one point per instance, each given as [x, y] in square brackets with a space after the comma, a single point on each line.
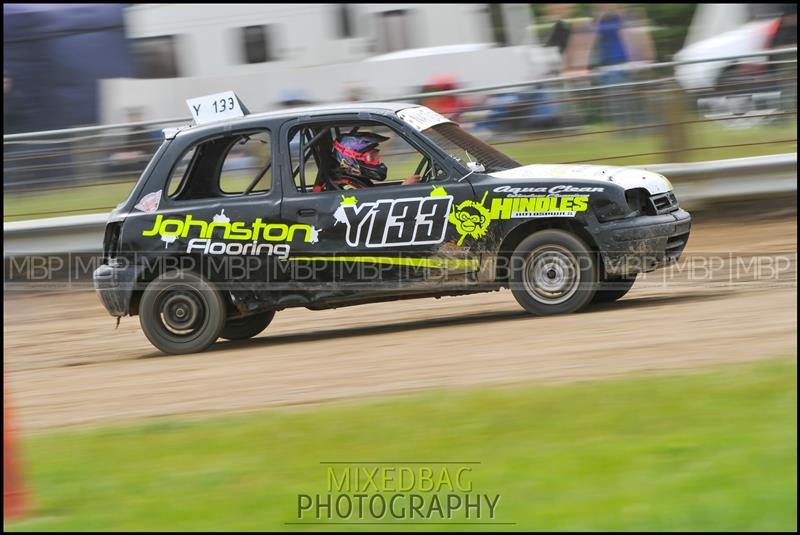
[182, 311]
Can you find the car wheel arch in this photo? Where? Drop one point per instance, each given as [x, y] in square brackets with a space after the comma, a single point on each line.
[146, 276]
[515, 236]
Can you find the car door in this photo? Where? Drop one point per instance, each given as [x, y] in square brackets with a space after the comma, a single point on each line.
[387, 236]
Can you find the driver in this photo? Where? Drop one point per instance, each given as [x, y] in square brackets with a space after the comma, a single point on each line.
[359, 162]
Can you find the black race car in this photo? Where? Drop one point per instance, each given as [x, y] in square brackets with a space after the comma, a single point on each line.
[245, 215]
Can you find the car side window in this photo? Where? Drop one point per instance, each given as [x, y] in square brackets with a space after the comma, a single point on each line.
[243, 165]
[368, 153]
[310, 169]
[177, 177]
[234, 164]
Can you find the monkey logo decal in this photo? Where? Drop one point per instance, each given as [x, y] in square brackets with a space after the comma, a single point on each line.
[471, 219]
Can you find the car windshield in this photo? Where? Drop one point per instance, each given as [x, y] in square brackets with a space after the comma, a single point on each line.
[466, 148]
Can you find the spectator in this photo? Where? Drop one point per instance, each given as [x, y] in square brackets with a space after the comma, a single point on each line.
[636, 37]
[576, 59]
[568, 36]
[609, 48]
[619, 39]
[559, 36]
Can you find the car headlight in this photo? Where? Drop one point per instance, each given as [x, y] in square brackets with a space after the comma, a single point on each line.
[608, 210]
[638, 201]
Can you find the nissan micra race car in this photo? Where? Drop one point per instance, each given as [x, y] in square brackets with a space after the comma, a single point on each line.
[241, 215]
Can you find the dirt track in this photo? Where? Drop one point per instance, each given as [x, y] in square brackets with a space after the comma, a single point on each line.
[65, 363]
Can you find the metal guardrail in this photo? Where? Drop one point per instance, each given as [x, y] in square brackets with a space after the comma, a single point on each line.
[782, 164]
[757, 176]
[701, 181]
[55, 235]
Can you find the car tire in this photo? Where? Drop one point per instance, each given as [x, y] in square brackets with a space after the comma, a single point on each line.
[247, 327]
[180, 312]
[553, 272]
[612, 289]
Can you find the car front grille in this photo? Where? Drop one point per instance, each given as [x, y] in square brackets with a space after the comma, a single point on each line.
[664, 203]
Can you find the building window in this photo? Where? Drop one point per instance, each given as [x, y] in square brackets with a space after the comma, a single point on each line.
[156, 57]
[393, 31]
[498, 24]
[344, 21]
[257, 44]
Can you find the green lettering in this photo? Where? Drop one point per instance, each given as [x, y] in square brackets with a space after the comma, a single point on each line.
[153, 231]
[178, 227]
[190, 222]
[257, 228]
[214, 225]
[283, 231]
[302, 228]
[334, 483]
[581, 204]
[238, 231]
[502, 208]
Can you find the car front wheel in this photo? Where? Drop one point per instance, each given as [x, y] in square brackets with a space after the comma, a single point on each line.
[180, 312]
[553, 272]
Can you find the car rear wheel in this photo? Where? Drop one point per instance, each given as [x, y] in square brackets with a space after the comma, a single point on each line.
[248, 327]
[612, 289]
[553, 272]
[180, 312]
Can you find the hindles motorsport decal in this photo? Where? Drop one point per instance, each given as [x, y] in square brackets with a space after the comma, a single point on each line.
[539, 206]
[472, 219]
[393, 222]
[169, 229]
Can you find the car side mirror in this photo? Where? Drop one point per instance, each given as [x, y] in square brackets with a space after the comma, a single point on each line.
[475, 167]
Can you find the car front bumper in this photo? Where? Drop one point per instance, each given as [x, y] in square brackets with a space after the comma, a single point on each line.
[642, 244]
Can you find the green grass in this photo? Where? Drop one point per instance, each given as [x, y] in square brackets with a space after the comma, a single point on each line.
[85, 200]
[595, 148]
[715, 450]
[606, 147]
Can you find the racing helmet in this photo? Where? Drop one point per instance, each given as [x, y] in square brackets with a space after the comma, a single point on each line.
[358, 155]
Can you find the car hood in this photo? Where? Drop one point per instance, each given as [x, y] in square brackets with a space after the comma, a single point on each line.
[625, 177]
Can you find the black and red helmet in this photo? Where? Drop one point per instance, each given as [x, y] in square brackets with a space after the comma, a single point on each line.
[358, 155]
